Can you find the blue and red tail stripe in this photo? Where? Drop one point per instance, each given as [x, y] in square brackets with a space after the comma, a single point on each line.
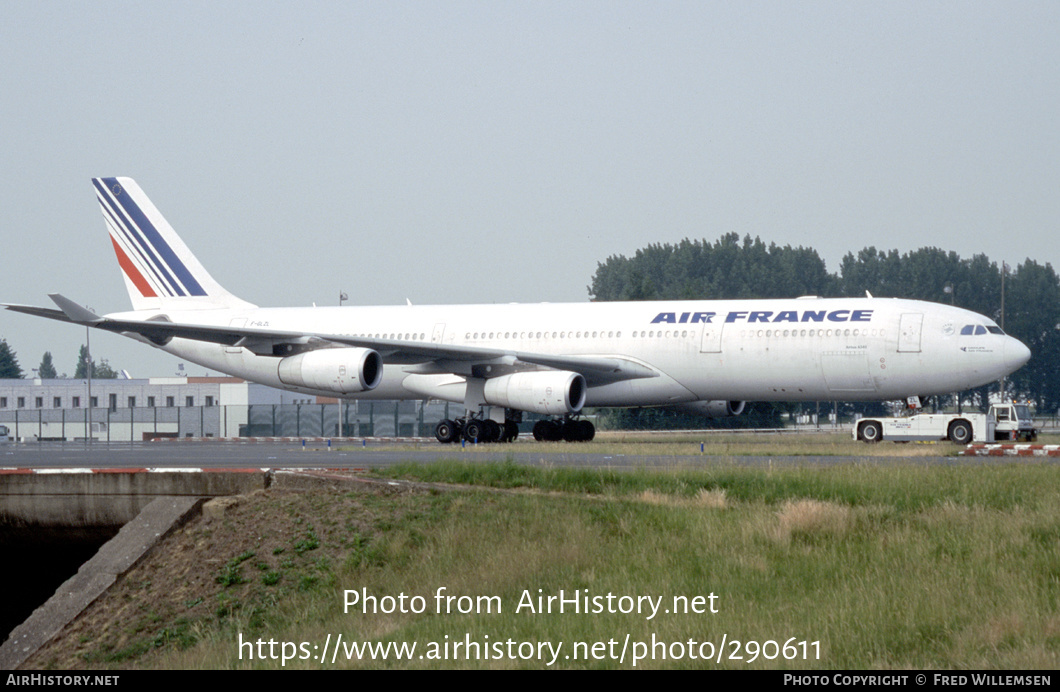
[122, 238]
[132, 272]
[164, 271]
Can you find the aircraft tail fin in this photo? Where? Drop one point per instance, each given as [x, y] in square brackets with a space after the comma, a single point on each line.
[160, 271]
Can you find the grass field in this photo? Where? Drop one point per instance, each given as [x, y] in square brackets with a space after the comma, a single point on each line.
[856, 566]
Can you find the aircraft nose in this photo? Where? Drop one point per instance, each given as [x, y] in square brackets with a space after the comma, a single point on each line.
[1016, 354]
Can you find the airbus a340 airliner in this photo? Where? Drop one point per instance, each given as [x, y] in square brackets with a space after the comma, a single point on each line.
[499, 361]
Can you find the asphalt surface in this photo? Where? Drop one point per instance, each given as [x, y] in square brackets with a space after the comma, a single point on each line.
[380, 454]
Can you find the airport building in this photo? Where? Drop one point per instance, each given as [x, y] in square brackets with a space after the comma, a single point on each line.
[157, 407]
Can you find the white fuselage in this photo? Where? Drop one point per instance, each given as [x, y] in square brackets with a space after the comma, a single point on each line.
[852, 349]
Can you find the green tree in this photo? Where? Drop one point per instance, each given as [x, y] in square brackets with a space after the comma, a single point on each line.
[100, 370]
[923, 274]
[47, 371]
[9, 367]
[103, 371]
[81, 371]
[1032, 315]
[727, 268]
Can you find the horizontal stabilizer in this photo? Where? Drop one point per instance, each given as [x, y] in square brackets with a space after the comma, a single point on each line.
[50, 313]
[75, 312]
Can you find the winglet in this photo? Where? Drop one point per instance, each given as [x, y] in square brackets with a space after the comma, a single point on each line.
[75, 312]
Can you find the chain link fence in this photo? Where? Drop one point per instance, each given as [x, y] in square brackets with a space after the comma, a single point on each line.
[346, 419]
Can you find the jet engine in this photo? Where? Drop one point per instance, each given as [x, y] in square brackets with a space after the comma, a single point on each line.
[551, 392]
[713, 409]
[341, 370]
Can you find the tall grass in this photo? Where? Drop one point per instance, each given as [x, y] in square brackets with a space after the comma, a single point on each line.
[905, 486]
[886, 567]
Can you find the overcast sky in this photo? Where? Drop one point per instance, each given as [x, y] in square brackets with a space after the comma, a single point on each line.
[497, 151]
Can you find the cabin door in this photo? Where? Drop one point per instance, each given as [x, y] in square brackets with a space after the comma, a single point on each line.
[909, 332]
[712, 338]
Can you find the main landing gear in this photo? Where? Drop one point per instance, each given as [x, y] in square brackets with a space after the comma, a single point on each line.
[485, 430]
[476, 430]
[566, 429]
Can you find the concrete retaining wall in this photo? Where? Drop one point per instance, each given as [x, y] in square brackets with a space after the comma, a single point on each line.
[101, 497]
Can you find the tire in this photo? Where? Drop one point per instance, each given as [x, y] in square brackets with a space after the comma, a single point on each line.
[586, 431]
[446, 431]
[871, 432]
[570, 431]
[547, 431]
[475, 431]
[960, 432]
[539, 431]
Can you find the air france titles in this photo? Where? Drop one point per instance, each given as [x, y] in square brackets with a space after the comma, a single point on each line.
[767, 316]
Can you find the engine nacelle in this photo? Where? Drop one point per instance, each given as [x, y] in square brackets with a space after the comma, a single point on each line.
[341, 370]
[550, 392]
[713, 409]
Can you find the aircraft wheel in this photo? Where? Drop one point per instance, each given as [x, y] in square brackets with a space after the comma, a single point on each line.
[960, 432]
[586, 431]
[539, 431]
[511, 431]
[447, 431]
[493, 431]
[872, 432]
[573, 431]
[547, 431]
[475, 431]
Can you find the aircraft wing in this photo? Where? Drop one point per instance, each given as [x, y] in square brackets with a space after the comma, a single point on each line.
[423, 357]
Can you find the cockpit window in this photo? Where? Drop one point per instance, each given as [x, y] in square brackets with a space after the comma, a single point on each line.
[978, 330]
